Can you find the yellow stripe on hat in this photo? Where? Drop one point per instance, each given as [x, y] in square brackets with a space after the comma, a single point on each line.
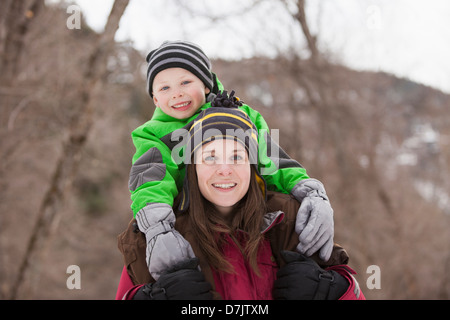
[253, 135]
[224, 115]
[249, 124]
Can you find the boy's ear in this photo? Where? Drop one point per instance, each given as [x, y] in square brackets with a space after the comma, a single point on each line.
[207, 90]
[155, 101]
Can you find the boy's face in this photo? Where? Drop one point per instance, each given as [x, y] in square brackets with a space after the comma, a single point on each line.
[178, 92]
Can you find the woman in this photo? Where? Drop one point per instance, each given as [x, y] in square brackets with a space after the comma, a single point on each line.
[244, 237]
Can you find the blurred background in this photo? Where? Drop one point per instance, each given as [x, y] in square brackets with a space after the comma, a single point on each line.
[359, 91]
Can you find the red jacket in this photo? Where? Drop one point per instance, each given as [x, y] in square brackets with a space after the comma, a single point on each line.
[244, 284]
[230, 287]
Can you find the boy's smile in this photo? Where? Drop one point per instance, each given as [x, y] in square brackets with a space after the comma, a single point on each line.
[178, 92]
[182, 106]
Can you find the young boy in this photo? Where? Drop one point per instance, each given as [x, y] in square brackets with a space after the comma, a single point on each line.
[180, 81]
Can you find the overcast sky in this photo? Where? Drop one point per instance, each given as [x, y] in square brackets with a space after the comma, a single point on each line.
[410, 38]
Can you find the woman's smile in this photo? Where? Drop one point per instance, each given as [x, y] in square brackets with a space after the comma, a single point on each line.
[224, 186]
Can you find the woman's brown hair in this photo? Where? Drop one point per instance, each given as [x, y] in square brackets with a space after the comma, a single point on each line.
[209, 226]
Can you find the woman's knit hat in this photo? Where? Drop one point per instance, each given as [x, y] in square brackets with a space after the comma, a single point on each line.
[222, 123]
[179, 54]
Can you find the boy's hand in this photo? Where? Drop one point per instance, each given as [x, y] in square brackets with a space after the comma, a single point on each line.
[166, 247]
[314, 224]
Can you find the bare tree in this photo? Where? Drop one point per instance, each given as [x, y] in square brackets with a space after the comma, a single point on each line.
[15, 20]
[67, 164]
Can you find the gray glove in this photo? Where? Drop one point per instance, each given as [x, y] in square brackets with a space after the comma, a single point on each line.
[166, 247]
[314, 223]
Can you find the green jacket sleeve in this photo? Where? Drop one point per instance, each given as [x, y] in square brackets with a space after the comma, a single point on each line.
[280, 171]
[154, 175]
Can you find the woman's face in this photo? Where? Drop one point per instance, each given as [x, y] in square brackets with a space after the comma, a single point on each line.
[223, 173]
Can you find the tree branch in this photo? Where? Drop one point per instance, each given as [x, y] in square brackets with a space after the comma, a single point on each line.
[67, 164]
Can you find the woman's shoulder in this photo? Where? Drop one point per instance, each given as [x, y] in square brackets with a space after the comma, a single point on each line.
[183, 223]
[284, 202]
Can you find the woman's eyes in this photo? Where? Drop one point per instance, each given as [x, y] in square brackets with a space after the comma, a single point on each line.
[237, 157]
[233, 159]
[209, 159]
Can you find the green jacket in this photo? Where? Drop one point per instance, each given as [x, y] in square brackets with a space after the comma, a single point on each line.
[157, 172]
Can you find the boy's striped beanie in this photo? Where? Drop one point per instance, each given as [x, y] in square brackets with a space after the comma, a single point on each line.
[179, 54]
